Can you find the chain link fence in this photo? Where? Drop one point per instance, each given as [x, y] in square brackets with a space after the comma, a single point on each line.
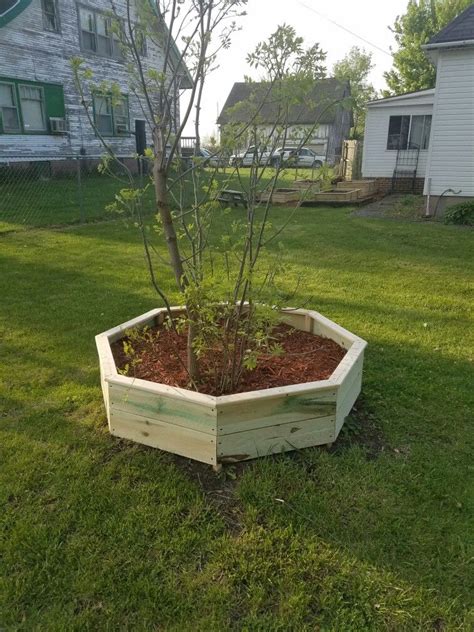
[43, 191]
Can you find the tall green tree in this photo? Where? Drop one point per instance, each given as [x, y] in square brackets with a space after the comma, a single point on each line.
[355, 67]
[283, 55]
[412, 70]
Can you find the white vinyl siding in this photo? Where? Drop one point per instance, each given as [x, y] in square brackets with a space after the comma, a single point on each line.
[451, 157]
[378, 161]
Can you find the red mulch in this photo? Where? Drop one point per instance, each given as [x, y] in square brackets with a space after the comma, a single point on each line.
[307, 358]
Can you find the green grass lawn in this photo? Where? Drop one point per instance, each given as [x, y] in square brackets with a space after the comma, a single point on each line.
[30, 199]
[376, 534]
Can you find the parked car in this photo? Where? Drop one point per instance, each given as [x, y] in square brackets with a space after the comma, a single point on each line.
[252, 155]
[208, 159]
[297, 157]
[214, 159]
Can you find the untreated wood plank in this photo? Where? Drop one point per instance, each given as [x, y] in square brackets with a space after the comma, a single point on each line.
[297, 320]
[106, 367]
[165, 436]
[253, 414]
[350, 363]
[348, 392]
[140, 321]
[172, 392]
[241, 446]
[322, 326]
[344, 406]
[179, 411]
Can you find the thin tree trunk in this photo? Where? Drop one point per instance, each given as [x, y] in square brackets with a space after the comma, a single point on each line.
[160, 179]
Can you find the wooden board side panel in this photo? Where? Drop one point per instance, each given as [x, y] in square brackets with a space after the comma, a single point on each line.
[297, 320]
[347, 398]
[183, 413]
[328, 331]
[244, 416]
[242, 446]
[165, 436]
[106, 367]
[347, 377]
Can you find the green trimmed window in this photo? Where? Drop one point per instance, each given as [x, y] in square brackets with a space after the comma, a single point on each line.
[111, 117]
[10, 118]
[26, 107]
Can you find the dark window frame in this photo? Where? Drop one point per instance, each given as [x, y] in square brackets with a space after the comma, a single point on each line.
[56, 28]
[113, 39]
[113, 116]
[140, 41]
[405, 132]
[16, 105]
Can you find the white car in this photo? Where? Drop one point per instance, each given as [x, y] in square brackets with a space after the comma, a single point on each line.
[213, 159]
[252, 156]
[297, 157]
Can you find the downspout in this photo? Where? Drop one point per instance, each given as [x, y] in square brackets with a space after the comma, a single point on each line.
[428, 197]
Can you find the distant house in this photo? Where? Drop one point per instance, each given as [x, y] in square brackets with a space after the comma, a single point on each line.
[433, 127]
[324, 120]
[40, 111]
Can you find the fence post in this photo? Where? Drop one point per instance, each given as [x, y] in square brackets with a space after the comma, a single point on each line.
[79, 190]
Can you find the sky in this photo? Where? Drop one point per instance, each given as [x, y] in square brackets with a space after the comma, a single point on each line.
[368, 19]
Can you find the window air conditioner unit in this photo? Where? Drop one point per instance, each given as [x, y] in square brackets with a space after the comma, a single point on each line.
[121, 129]
[58, 125]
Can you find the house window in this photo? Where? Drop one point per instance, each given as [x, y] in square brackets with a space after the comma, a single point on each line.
[10, 120]
[420, 132]
[97, 34]
[50, 15]
[104, 39]
[111, 118]
[88, 36]
[26, 107]
[409, 132]
[140, 41]
[32, 108]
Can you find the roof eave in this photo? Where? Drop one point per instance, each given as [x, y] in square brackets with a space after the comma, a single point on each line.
[455, 44]
[400, 97]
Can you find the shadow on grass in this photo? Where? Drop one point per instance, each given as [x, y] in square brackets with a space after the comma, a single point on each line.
[404, 507]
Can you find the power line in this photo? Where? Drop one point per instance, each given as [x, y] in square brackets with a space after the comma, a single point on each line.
[344, 28]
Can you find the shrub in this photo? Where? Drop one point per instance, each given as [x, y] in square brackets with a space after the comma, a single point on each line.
[461, 214]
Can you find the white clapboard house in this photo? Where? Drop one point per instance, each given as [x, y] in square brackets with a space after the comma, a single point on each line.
[40, 110]
[424, 141]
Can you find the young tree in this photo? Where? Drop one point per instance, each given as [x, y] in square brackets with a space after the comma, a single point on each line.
[355, 67]
[220, 280]
[412, 70]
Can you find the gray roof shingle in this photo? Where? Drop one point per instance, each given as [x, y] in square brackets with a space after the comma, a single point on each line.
[316, 109]
[459, 30]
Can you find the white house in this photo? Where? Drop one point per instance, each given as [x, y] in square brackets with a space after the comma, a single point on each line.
[41, 114]
[432, 128]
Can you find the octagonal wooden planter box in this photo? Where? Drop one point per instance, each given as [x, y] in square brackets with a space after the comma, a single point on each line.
[232, 428]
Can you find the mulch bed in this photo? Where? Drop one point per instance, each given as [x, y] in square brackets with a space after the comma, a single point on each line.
[306, 358]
